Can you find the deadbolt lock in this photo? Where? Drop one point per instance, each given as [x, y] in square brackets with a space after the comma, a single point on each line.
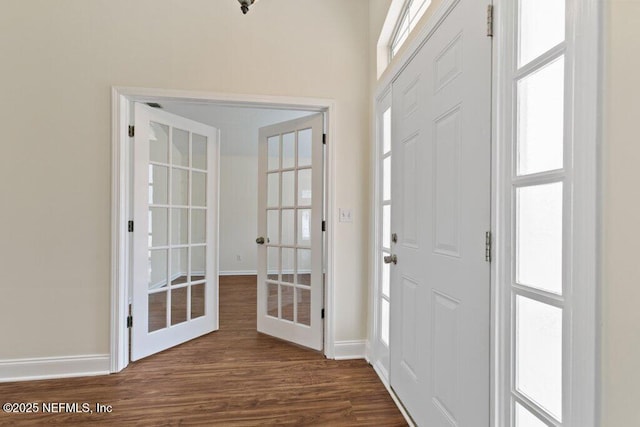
[394, 238]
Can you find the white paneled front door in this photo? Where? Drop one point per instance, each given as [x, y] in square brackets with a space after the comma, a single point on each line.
[440, 286]
[175, 277]
[290, 194]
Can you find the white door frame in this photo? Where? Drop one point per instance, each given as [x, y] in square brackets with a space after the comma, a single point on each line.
[121, 117]
[588, 49]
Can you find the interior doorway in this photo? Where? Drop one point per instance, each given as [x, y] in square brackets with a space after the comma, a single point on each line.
[238, 122]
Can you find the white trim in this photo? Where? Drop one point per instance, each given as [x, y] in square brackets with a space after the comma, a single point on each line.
[121, 97]
[44, 368]
[586, 260]
[353, 349]
[120, 192]
[238, 273]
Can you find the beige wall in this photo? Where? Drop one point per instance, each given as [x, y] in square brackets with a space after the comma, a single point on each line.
[621, 217]
[59, 61]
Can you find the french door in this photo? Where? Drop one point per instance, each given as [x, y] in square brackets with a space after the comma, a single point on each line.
[290, 194]
[175, 280]
[440, 215]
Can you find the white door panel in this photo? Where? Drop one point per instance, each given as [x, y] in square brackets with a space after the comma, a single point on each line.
[175, 277]
[440, 288]
[290, 279]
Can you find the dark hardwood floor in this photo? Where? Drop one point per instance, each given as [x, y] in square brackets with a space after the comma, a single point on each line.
[232, 377]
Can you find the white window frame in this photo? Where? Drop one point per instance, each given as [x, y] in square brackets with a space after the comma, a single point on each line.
[379, 352]
[412, 21]
[582, 205]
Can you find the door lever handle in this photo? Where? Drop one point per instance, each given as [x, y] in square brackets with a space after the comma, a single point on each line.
[389, 259]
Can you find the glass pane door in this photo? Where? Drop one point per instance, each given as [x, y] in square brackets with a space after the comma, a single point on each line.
[175, 208]
[290, 216]
[177, 225]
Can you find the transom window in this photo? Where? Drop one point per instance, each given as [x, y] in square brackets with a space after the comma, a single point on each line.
[411, 13]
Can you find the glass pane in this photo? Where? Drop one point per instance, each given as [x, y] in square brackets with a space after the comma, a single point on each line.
[273, 190]
[272, 300]
[179, 226]
[158, 262]
[386, 226]
[273, 263]
[197, 301]
[288, 188]
[199, 151]
[386, 179]
[541, 119]
[158, 227]
[386, 131]
[159, 143]
[539, 237]
[199, 189]
[288, 267]
[539, 353]
[180, 187]
[273, 227]
[525, 418]
[541, 27]
[304, 267]
[304, 227]
[386, 276]
[305, 147]
[198, 263]
[179, 305]
[180, 148]
[288, 150]
[198, 226]
[304, 187]
[157, 311]
[179, 266]
[384, 321]
[401, 35]
[273, 153]
[417, 8]
[158, 185]
[304, 306]
[287, 302]
[287, 227]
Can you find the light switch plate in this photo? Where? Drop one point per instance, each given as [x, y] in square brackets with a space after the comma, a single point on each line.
[346, 215]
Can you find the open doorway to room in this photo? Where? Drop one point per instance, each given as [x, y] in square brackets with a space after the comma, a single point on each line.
[258, 192]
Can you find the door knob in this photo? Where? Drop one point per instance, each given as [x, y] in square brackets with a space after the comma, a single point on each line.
[391, 259]
[260, 240]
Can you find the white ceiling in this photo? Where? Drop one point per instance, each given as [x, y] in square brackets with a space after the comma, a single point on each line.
[238, 125]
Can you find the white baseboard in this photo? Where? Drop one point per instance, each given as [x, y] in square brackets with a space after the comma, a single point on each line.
[356, 349]
[238, 273]
[54, 367]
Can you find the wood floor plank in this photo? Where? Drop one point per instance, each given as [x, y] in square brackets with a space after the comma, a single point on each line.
[232, 377]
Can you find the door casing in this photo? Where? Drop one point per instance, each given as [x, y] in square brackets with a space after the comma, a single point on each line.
[122, 99]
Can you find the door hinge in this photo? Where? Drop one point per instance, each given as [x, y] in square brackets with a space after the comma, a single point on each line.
[129, 321]
[322, 313]
[130, 226]
[324, 138]
[487, 246]
[324, 226]
[132, 131]
[490, 20]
